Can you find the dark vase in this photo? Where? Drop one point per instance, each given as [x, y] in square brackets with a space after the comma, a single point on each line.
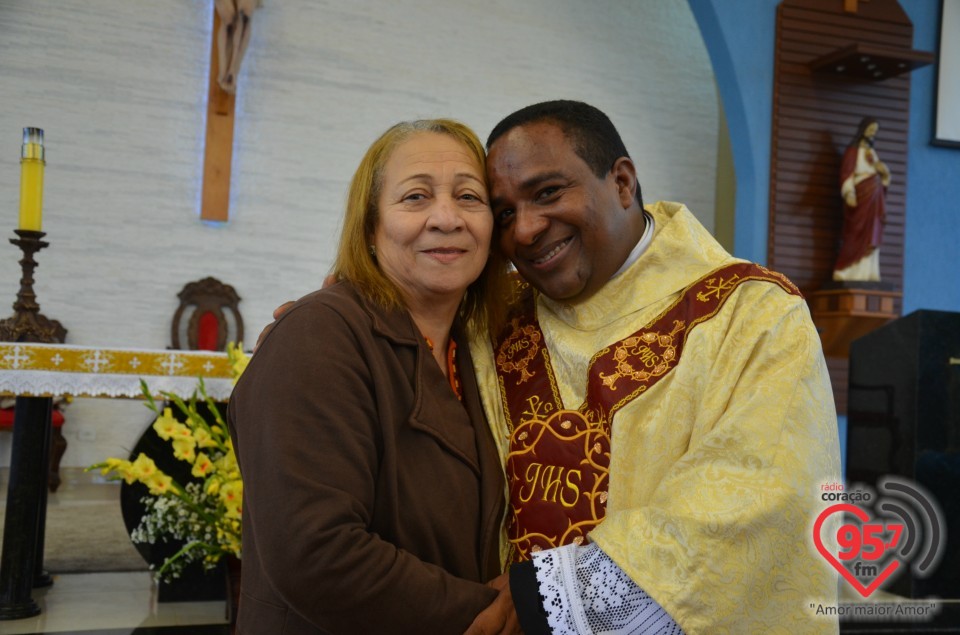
[233, 589]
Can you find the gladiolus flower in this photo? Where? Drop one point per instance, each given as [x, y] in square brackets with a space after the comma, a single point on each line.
[202, 466]
[204, 439]
[232, 496]
[183, 449]
[238, 359]
[143, 467]
[166, 425]
[159, 484]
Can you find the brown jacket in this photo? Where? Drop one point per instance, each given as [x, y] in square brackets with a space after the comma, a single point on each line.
[372, 496]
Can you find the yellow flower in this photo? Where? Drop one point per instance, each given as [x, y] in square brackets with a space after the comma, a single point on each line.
[211, 503]
[183, 432]
[202, 466]
[126, 471]
[159, 483]
[183, 448]
[112, 464]
[166, 425]
[227, 465]
[121, 467]
[232, 496]
[238, 359]
[143, 468]
[204, 439]
[232, 542]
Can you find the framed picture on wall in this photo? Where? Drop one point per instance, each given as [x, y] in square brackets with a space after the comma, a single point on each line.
[946, 121]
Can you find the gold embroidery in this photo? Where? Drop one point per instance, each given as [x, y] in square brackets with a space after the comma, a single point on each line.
[537, 408]
[717, 289]
[526, 338]
[103, 361]
[539, 476]
[638, 347]
[783, 281]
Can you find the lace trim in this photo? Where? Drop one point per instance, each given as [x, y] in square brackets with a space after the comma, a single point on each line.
[44, 384]
[552, 589]
[585, 592]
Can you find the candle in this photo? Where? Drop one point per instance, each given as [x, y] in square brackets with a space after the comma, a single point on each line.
[31, 179]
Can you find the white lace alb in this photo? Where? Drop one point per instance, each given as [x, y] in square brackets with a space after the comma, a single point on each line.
[584, 592]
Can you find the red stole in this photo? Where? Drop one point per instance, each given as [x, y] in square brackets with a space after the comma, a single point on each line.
[558, 460]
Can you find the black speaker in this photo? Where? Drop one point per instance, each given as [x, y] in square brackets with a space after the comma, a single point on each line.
[903, 419]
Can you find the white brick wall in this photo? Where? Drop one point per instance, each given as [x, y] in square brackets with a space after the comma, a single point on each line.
[119, 86]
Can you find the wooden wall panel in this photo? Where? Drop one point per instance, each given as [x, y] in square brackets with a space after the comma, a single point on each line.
[815, 115]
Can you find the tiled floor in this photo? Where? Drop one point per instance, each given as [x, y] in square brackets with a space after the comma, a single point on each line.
[115, 603]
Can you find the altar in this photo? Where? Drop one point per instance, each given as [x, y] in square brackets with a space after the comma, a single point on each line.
[46, 370]
[34, 373]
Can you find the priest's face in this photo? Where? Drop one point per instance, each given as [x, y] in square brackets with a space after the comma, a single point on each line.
[566, 230]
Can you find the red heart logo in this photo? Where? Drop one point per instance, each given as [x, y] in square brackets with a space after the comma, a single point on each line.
[865, 591]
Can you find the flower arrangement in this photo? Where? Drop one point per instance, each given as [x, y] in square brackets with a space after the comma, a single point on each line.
[204, 513]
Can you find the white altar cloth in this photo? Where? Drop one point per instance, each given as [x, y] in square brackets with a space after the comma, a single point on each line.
[44, 370]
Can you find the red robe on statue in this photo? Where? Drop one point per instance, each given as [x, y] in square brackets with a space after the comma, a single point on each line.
[863, 224]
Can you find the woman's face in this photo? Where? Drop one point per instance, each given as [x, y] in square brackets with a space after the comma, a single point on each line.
[433, 234]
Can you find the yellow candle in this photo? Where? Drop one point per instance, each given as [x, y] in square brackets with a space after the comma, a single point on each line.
[31, 179]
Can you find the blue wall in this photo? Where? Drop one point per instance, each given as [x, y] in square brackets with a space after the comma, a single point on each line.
[739, 37]
[740, 44]
[931, 259]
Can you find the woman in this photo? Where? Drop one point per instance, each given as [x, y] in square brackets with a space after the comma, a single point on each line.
[373, 491]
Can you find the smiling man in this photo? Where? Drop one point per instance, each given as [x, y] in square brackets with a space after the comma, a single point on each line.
[591, 221]
[663, 408]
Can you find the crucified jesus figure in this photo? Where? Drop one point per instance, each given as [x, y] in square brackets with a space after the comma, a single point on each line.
[232, 38]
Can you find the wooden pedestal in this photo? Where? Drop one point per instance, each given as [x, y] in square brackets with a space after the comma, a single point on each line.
[843, 315]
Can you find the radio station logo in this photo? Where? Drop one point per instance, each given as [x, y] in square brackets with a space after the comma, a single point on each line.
[879, 533]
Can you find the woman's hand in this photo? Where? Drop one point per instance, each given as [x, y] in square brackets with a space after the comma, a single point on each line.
[277, 312]
[500, 618]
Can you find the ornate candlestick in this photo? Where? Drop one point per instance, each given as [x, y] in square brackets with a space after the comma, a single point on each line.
[27, 324]
[21, 557]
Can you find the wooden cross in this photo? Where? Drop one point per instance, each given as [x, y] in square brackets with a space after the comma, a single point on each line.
[218, 151]
[232, 21]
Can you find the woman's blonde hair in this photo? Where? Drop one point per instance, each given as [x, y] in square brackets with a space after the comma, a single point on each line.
[483, 305]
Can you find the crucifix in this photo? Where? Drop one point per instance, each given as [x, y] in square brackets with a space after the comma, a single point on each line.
[229, 39]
